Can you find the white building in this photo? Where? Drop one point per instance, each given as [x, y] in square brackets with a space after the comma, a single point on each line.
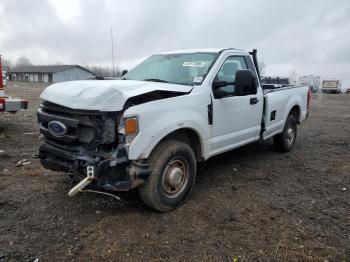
[50, 74]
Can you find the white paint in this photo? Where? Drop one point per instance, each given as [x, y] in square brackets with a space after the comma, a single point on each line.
[108, 95]
[282, 101]
[189, 51]
[235, 121]
[240, 121]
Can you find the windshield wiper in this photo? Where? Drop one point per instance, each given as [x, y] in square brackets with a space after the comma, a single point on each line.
[155, 80]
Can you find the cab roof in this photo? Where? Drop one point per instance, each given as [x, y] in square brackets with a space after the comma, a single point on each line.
[205, 50]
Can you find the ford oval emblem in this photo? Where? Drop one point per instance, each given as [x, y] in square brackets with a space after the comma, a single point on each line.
[57, 128]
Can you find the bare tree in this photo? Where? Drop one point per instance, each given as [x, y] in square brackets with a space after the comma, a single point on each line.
[293, 77]
[23, 61]
[103, 71]
[262, 67]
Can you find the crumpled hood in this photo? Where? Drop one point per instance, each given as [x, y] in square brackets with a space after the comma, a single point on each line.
[103, 95]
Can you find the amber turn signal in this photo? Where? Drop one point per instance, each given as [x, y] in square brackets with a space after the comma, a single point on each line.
[131, 125]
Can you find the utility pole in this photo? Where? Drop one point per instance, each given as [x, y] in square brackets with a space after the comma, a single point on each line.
[112, 50]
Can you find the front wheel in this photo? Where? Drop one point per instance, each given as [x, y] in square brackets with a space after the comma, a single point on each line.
[284, 142]
[173, 171]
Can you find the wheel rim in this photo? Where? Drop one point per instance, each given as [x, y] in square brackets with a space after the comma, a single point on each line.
[175, 177]
[290, 134]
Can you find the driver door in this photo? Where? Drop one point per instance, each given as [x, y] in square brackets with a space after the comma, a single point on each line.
[236, 119]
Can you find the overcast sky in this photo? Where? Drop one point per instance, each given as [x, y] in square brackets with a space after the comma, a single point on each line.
[309, 37]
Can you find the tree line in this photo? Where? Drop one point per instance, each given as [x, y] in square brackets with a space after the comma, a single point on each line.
[21, 62]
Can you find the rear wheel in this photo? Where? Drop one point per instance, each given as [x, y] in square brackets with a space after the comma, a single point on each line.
[173, 171]
[284, 142]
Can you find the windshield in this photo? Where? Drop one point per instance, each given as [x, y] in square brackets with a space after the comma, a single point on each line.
[183, 69]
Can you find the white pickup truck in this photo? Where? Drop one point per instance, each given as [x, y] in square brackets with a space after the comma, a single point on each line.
[149, 129]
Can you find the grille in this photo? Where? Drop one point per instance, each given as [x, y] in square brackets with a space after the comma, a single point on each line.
[83, 127]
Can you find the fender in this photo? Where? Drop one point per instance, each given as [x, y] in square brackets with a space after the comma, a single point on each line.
[157, 119]
[296, 100]
[283, 107]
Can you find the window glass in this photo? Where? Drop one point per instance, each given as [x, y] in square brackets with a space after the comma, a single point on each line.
[230, 67]
[250, 64]
[228, 71]
[184, 69]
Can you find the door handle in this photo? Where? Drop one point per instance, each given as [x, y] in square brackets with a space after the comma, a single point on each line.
[254, 101]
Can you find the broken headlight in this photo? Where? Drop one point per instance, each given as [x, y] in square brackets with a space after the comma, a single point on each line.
[121, 127]
[129, 127]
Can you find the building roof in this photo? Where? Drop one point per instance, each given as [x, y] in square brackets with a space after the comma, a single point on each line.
[47, 69]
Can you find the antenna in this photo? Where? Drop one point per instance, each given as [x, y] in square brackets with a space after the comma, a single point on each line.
[112, 50]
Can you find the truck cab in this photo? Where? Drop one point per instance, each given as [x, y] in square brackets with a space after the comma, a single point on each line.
[151, 128]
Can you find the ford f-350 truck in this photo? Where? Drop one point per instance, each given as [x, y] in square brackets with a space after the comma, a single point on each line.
[151, 128]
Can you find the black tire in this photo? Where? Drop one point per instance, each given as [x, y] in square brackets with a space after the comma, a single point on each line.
[173, 171]
[285, 141]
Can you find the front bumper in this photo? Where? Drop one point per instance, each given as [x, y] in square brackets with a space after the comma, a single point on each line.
[115, 173]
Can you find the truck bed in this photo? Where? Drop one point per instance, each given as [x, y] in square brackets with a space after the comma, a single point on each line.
[278, 102]
[276, 88]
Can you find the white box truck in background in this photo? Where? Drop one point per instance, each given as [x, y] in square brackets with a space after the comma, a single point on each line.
[331, 86]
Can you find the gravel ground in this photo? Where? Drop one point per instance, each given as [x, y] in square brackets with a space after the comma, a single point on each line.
[252, 203]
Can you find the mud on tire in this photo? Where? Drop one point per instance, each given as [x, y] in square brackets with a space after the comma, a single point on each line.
[173, 170]
[285, 141]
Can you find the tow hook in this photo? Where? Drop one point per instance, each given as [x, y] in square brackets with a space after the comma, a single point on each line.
[83, 183]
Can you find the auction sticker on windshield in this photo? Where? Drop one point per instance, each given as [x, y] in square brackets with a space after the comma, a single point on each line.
[198, 79]
[197, 64]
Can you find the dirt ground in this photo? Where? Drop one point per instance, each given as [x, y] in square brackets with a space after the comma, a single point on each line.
[252, 203]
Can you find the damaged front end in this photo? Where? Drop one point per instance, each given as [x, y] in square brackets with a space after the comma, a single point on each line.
[87, 145]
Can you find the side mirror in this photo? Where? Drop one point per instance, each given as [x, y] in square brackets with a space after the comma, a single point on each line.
[219, 91]
[217, 84]
[124, 72]
[245, 83]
